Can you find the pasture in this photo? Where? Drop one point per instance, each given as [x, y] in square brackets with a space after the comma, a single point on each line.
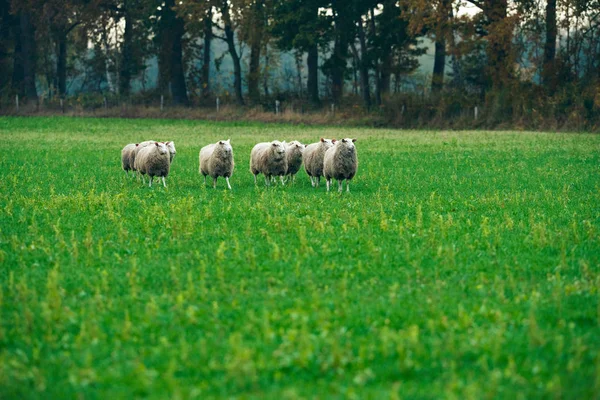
[460, 265]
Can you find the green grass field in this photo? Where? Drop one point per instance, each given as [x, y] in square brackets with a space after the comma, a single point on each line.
[461, 265]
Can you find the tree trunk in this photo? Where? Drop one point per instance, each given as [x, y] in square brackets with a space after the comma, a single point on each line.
[127, 62]
[376, 60]
[61, 62]
[312, 64]
[178, 86]
[208, 35]
[386, 74]
[364, 67]
[499, 43]
[548, 70]
[254, 72]
[439, 65]
[230, 39]
[170, 61]
[26, 58]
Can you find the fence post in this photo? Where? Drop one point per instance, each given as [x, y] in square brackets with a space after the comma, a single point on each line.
[162, 102]
[218, 103]
[402, 110]
[62, 105]
[105, 103]
[17, 101]
[333, 108]
[476, 113]
[276, 107]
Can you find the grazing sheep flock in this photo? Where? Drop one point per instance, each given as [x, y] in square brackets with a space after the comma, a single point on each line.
[328, 158]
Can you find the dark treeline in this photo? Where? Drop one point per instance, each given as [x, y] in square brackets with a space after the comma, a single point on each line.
[514, 59]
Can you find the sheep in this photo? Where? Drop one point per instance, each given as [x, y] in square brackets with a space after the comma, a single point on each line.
[293, 155]
[134, 153]
[313, 159]
[217, 160]
[154, 161]
[172, 151]
[126, 157]
[268, 159]
[340, 163]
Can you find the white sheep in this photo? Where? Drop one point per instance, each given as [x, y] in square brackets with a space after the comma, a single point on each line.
[340, 163]
[293, 154]
[172, 151]
[154, 161]
[313, 159]
[268, 159]
[127, 157]
[217, 160]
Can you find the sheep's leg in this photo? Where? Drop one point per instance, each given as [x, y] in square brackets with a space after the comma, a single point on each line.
[312, 182]
[318, 178]
[164, 183]
[267, 179]
[293, 178]
[204, 179]
[341, 185]
[282, 181]
[214, 183]
[150, 180]
[347, 186]
[255, 183]
[328, 181]
[228, 185]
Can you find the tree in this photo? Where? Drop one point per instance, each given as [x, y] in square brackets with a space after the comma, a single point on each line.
[228, 28]
[169, 36]
[300, 26]
[24, 69]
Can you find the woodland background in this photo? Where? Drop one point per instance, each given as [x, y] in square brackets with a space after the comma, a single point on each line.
[521, 64]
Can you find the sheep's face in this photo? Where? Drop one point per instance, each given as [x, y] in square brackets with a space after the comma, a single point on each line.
[278, 148]
[297, 146]
[347, 143]
[162, 148]
[171, 148]
[225, 145]
[328, 142]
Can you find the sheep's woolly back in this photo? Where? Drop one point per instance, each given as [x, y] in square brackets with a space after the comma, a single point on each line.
[313, 157]
[126, 156]
[153, 160]
[269, 159]
[137, 150]
[293, 154]
[216, 160]
[340, 161]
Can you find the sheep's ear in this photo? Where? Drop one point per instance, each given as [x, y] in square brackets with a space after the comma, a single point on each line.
[137, 144]
[156, 143]
[220, 142]
[343, 140]
[274, 144]
[353, 140]
[228, 140]
[333, 141]
[167, 142]
[322, 140]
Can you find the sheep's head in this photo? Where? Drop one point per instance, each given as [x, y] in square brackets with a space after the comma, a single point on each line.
[278, 148]
[162, 148]
[171, 147]
[297, 146]
[225, 145]
[328, 142]
[347, 143]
